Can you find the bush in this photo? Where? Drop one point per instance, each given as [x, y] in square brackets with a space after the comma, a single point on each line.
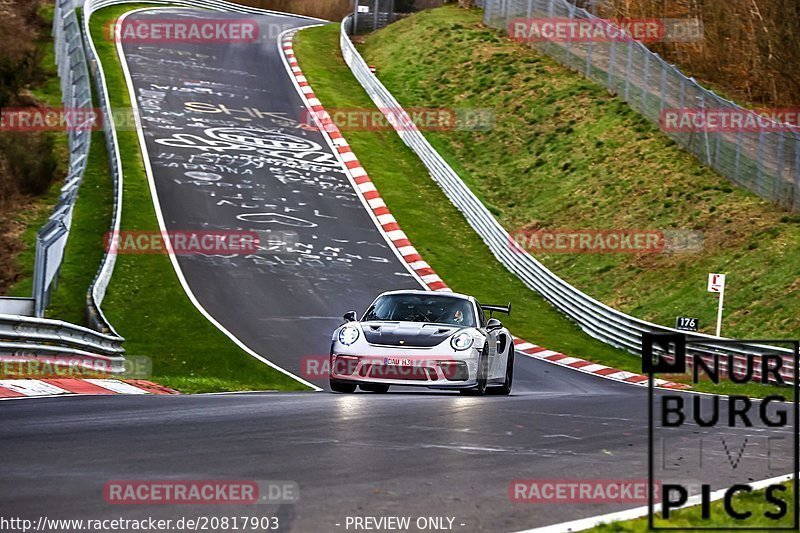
[19, 29]
[30, 161]
[27, 162]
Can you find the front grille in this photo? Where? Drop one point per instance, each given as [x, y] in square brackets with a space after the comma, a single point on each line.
[410, 373]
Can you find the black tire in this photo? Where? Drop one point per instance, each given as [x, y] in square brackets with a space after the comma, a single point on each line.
[378, 388]
[483, 375]
[343, 387]
[505, 388]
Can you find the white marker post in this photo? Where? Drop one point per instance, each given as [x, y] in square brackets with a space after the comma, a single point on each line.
[716, 283]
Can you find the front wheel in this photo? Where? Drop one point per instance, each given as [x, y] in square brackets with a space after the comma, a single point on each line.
[343, 387]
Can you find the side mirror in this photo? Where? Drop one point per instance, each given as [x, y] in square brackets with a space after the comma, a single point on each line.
[493, 324]
[350, 316]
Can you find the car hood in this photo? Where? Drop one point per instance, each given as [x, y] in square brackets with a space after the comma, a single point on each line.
[406, 334]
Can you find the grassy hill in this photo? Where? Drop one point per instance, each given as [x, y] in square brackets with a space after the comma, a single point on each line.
[565, 154]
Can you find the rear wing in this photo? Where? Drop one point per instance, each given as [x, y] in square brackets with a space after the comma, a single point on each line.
[499, 308]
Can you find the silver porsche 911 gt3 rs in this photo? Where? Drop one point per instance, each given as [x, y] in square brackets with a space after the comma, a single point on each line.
[421, 338]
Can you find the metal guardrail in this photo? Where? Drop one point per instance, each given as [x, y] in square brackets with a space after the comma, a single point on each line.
[96, 293]
[595, 318]
[76, 94]
[764, 160]
[62, 343]
[68, 344]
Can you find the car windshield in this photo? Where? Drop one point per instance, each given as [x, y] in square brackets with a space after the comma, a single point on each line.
[437, 309]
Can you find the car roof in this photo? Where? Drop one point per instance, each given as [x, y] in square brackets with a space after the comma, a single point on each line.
[429, 293]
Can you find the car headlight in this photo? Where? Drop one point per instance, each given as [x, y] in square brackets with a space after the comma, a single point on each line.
[461, 341]
[348, 335]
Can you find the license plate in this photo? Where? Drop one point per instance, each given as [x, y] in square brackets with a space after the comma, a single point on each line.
[396, 361]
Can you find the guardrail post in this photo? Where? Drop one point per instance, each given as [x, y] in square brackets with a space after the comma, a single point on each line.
[628, 68]
[759, 161]
[589, 47]
[38, 279]
[611, 58]
[646, 83]
[571, 10]
[663, 87]
[779, 168]
[796, 206]
[705, 133]
[738, 157]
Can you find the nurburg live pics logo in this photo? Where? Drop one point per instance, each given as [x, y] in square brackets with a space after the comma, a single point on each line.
[732, 440]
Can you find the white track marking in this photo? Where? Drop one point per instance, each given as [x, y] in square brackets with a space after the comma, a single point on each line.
[32, 387]
[115, 385]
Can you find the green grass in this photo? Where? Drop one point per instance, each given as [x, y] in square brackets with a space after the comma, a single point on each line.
[437, 229]
[145, 302]
[689, 518]
[90, 222]
[566, 154]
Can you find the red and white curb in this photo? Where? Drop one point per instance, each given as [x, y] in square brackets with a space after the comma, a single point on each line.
[35, 388]
[575, 363]
[391, 229]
